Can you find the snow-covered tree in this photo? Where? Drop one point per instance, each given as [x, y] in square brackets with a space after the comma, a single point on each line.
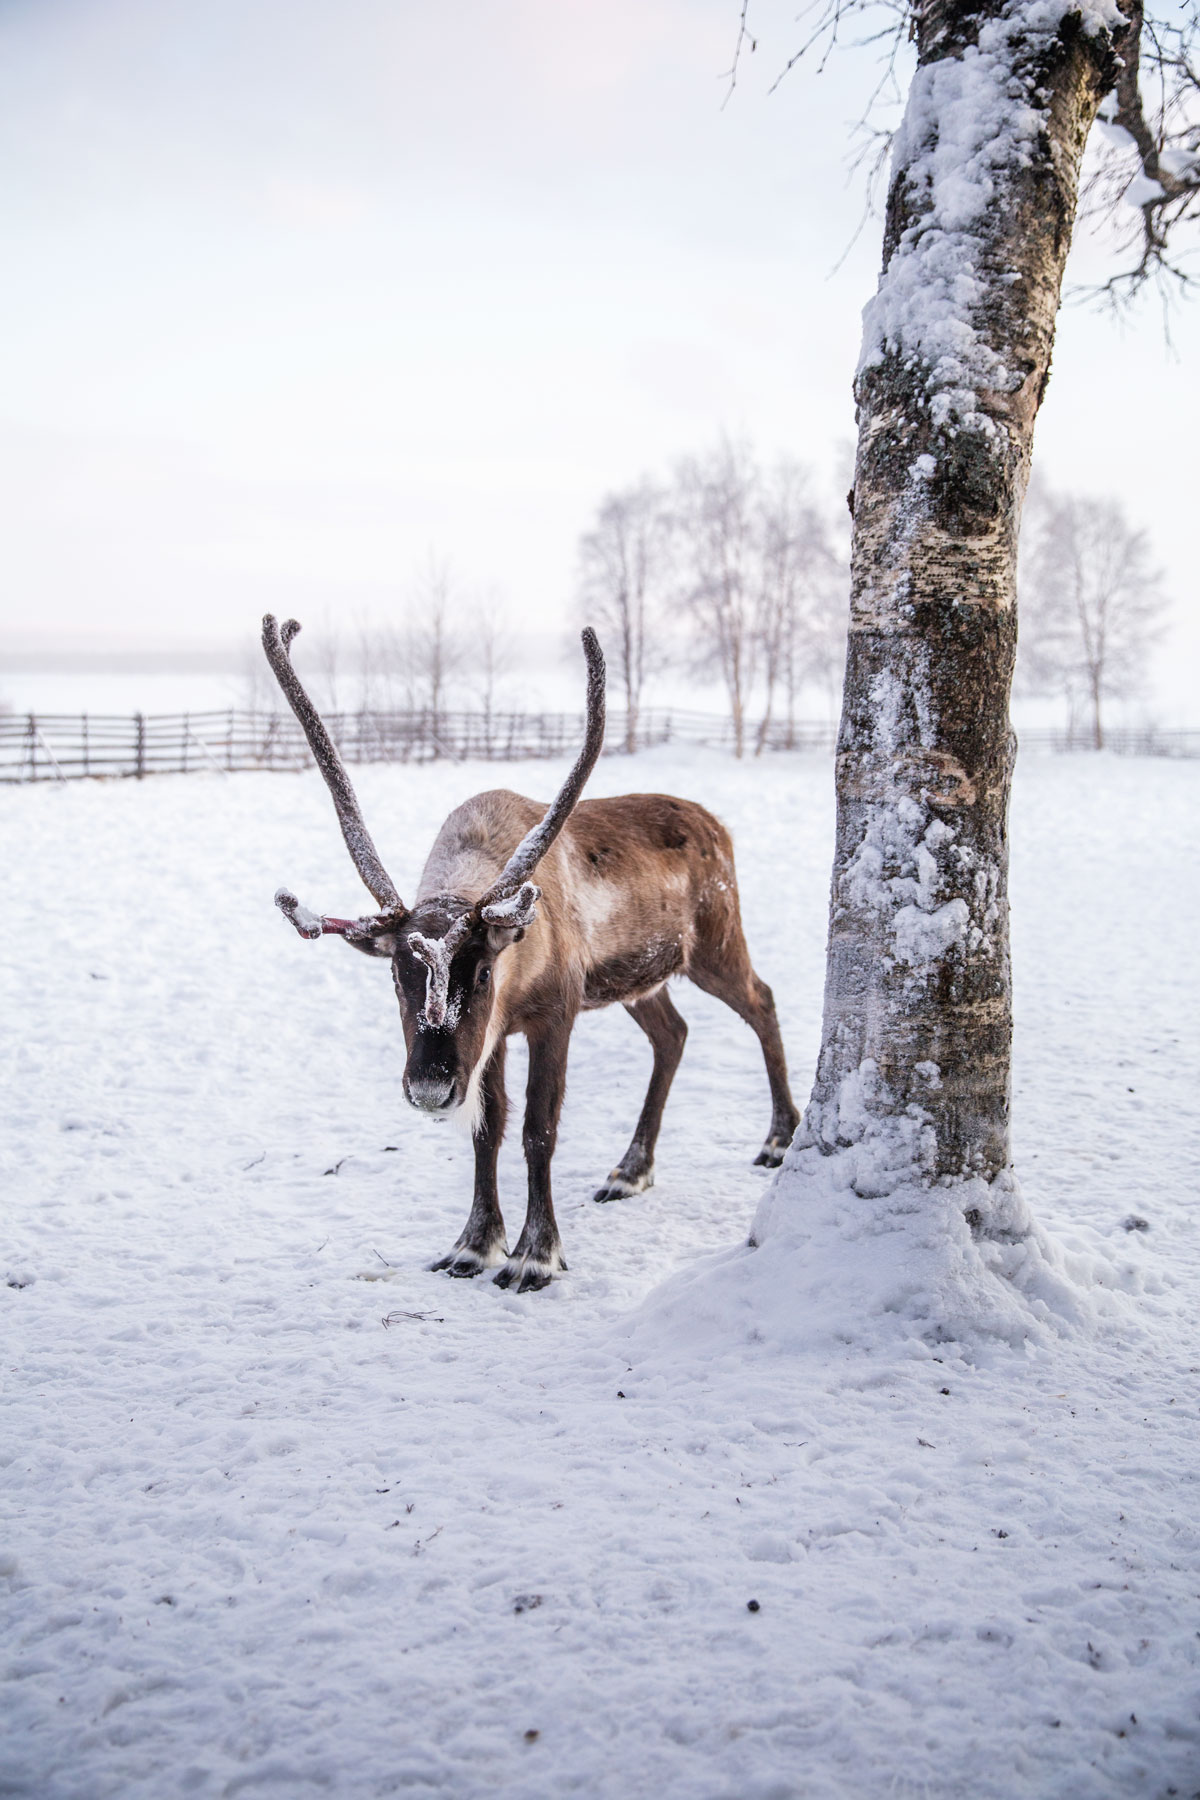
[910, 1102]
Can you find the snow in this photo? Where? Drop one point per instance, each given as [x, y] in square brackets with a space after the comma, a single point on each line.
[307, 922]
[923, 928]
[272, 1529]
[1115, 135]
[1181, 164]
[1142, 191]
[515, 911]
[438, 954]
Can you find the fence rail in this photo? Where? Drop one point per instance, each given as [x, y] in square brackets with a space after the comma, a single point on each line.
[69, 746]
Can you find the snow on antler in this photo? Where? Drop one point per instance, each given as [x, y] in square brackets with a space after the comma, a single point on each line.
[516, 911]
[308, 924]
[437, 954]
[314, 925]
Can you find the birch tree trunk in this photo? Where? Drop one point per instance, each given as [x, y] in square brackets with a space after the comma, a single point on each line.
[912, 1086]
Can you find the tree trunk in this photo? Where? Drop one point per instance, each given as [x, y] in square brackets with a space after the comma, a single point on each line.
[912, 1085]
[1097, 723]
[631, 710]
[626, 661]
[733, 686]
[764, 724]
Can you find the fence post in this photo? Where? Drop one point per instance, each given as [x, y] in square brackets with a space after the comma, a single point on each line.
[87, 766]
[183, 748]
[31, 733]
[139, 720]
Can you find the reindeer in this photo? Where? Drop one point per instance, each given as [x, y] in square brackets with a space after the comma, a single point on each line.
[630, 892]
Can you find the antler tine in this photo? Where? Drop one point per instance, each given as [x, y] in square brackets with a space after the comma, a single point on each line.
[363, 853]
[534, 845]
[437, 954]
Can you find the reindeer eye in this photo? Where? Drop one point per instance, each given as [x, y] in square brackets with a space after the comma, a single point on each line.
[482, 975]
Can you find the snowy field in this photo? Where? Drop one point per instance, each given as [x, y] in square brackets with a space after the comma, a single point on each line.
[272, 1529]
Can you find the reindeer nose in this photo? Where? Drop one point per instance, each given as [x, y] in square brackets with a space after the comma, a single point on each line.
[430, 1093]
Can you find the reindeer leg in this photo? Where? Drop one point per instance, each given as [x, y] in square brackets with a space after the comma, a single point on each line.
[483, 1244]
[733, 980]
[667, 1032]
[538, 1255]
[784, 1114]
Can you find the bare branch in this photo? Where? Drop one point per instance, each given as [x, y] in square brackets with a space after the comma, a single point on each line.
[1153, 115]
[743, 37]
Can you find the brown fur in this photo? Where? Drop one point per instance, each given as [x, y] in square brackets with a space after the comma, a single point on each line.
[629, 892]
[634, 890]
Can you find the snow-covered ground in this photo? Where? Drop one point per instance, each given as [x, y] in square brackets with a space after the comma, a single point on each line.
[273, 1529]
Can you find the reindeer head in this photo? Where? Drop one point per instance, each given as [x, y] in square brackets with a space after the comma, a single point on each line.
[443, 953]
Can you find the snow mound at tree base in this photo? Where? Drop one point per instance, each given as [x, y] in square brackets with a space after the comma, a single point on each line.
[928, 1265]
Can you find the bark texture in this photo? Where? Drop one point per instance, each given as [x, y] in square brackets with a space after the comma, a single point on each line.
[914, 1063]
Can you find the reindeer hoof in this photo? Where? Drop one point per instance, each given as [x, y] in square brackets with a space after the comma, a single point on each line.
[526, 1274]
[463, 1263]
[771, 1154]
[619, 1186]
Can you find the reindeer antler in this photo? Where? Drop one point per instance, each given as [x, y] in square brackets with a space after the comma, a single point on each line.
[513, 883]
[363, 853]
[437, 954]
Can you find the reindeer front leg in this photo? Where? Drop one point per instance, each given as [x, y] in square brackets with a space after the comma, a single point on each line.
[538, 1255]
[483, 1243]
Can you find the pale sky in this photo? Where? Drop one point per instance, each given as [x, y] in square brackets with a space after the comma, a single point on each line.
[298, 292]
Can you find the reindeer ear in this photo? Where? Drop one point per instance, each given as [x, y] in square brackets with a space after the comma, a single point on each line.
[381, 941]
[501, 936]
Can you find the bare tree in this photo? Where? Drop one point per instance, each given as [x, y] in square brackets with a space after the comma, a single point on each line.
[623, 563]
[326, 656]
[384, 667]
[911, 1095]
[254, 691]
[433, 642]
[492, 656]
[718, 544]
[798, 570]
[1091, 604]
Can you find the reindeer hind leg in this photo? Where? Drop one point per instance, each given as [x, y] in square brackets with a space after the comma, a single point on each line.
[729, 976]
[667, 1032]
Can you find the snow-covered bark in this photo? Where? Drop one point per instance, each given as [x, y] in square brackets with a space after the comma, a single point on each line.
[912, 1086]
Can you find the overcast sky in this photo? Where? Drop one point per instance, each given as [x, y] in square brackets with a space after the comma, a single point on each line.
[298, 291]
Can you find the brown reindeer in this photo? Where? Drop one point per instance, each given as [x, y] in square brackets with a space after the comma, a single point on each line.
[630, 891]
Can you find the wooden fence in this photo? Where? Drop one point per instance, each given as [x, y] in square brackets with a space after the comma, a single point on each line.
[68, 746]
